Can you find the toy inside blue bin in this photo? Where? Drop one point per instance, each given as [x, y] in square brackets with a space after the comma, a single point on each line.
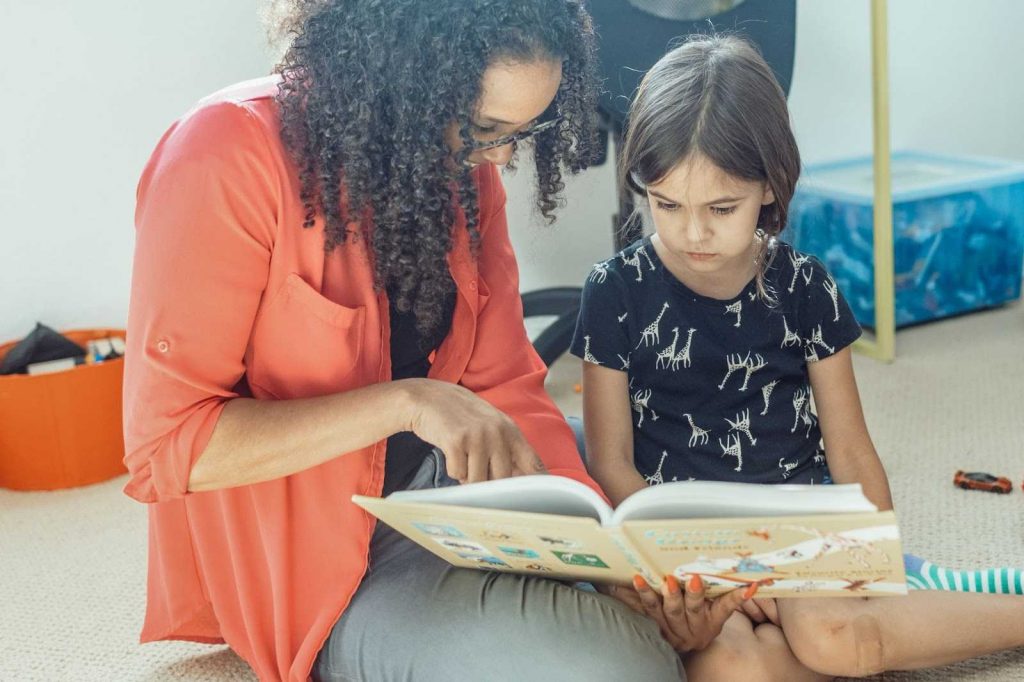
[958, 232]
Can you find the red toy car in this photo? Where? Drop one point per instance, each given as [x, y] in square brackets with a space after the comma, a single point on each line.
[977, 480]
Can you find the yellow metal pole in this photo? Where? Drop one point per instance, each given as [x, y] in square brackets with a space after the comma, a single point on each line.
[884, 346]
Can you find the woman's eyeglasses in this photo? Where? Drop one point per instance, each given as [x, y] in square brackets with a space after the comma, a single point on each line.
[478, 145]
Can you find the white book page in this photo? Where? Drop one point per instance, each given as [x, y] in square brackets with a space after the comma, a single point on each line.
[718, 499]
[540, 494]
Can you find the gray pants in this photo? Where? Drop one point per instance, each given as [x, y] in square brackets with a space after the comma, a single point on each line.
[416, 617]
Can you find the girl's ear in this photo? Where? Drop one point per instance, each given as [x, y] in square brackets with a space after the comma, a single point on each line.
[769, 196]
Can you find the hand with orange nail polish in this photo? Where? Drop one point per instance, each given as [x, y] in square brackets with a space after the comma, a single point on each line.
[688, 620]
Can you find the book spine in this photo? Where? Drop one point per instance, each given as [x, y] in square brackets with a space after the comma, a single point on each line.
[635, 558]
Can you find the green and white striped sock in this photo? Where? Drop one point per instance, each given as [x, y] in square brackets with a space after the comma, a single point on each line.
[924, 575]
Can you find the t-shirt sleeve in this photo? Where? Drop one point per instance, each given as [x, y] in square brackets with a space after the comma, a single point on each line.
[602, 328]
[827, 324]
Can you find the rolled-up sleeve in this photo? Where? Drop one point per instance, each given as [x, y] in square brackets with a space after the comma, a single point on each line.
[205, 220]
[504, 369]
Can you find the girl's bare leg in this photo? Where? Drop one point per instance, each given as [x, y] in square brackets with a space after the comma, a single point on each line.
[856, 637]
[745, 651]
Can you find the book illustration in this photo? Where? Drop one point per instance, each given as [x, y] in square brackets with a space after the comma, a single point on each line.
[437, 529]
[520, 552]
[730, 573]
[858, 550]
[501, 536]
[782, 566]
[531, 565]
[559, 542]
[462, 545]
[484, 561]
[576, 559]
[859, 585]
[748, 564]
[808, 586]
[793, 540]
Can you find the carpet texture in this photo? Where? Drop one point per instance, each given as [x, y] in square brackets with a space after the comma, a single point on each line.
[73, 562]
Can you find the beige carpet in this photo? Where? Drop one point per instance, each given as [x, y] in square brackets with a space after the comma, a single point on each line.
[72, 563]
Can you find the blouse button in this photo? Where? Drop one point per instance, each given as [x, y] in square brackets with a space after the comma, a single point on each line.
[472, 285]
[163, 346]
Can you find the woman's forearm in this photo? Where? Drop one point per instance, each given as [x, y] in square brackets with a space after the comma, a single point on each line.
[261, 440]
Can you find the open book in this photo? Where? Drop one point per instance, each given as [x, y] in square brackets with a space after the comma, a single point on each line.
[824, 540]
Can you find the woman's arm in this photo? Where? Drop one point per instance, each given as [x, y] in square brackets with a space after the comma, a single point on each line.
[260, 440]
[848, 448]
[609, 432]
[207, 223]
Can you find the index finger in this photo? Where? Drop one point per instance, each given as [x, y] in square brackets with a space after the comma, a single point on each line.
[674, 607]
[648, 597]
[652, 605]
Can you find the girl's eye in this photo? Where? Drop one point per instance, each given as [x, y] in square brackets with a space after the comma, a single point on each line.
[483, 129]
[666, 206]
[722, 210]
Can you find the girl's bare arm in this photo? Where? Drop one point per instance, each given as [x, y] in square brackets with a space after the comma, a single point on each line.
[609, 432]
[849, 451]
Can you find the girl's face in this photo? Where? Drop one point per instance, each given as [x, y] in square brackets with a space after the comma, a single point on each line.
[706, 219]
[512, 96]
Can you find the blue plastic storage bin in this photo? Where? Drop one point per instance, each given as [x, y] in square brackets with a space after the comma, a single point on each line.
[958, 232]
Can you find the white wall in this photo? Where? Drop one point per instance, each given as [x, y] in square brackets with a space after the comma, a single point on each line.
[86, 90]
[88, 87]
[956, 74]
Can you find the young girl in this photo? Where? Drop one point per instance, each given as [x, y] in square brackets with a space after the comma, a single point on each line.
[705, 343]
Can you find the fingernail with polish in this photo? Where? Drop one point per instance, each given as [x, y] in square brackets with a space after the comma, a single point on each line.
[750, 591]
[694, 584]
[673, 584]
[639, 582]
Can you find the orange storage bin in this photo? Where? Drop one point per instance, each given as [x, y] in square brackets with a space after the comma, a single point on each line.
[63, 429]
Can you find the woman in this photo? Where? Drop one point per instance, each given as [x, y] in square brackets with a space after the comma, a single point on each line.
[323, 292]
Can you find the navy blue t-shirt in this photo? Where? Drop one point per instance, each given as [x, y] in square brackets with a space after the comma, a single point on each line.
[719, 389]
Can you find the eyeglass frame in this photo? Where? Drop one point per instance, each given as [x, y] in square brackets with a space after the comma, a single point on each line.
[514, 138]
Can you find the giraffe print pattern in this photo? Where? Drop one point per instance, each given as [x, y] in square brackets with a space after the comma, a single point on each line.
[697, 434]
[650, 335]
[634, 260]
[716, 386]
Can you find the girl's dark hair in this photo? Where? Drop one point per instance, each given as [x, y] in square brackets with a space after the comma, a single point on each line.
[715, 95]
[367, 91]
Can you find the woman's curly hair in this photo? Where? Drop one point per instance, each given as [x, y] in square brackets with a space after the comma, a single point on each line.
[368, 88]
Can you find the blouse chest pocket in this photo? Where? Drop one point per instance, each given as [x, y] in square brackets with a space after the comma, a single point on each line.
[305, 344]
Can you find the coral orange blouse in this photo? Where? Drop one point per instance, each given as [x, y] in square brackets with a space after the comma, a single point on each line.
[227, 286]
